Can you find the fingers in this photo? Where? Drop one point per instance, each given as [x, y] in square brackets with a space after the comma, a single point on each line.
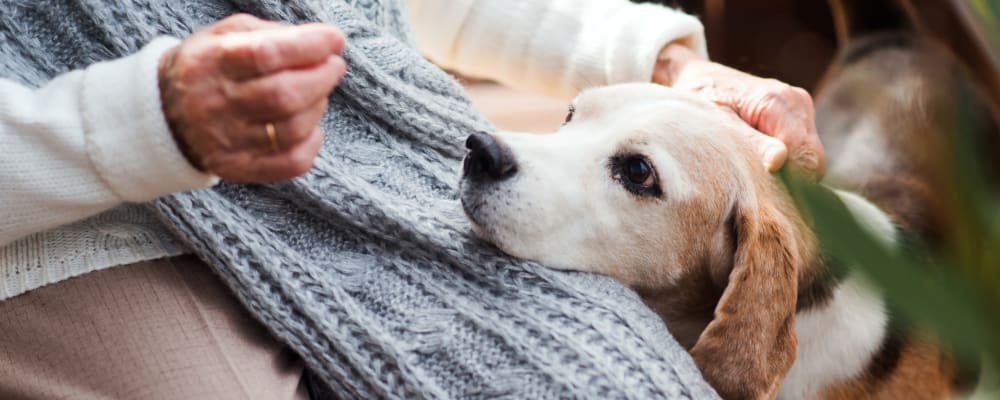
[799, 144]
[294, 162]
[242, 23]
[788, 114]
[244, 97]
[288, 132]
[808, 157]
[286, 93]
[296, 130]
[783, 115]
[772, 151]
[251, 54]
[247, 167]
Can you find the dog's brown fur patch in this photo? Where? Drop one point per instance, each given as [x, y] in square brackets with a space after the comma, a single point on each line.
[922, 372]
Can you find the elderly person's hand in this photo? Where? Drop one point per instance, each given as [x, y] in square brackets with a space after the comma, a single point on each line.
[244, 97]
[784, 114]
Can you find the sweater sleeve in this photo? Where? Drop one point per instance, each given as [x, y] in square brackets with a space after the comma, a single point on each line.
[556, 47]
[86, 142]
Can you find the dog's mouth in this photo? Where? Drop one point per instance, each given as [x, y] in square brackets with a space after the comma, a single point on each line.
[477, 221]
[470, 209]
[476, 199]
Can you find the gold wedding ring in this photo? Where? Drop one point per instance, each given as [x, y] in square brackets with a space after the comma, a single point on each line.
[272, 136]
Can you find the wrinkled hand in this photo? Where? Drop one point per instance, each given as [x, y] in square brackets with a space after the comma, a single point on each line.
[223, 86]
[783, 114]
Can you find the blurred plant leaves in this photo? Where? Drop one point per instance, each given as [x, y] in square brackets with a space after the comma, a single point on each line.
[927, 292]
[985, 9]
[953, 291]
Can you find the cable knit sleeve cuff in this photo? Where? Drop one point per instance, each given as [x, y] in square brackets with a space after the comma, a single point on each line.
[127, 137]
[639, 32]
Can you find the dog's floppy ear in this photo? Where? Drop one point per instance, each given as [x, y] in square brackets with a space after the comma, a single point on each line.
[748, 348]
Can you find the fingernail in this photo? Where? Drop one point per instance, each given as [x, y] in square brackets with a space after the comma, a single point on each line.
[337, 61]
[771, 157]
[771, 153]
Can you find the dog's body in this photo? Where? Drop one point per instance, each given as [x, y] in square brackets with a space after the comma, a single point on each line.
[662, 191]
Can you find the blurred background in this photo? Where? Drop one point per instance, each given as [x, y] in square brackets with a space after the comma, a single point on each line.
[792, 40]
[795, 40]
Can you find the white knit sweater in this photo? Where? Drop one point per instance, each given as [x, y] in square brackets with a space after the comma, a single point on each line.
[82, 151]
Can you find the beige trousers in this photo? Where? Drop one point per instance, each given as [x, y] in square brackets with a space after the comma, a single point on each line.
[164, 329]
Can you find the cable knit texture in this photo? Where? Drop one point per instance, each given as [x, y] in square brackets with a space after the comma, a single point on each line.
[366, 266]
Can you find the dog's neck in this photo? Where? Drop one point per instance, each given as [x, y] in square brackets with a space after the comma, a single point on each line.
[822, 274]
[841, 322]
[871, 218]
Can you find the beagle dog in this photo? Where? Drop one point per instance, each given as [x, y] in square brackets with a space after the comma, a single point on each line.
[662, 190]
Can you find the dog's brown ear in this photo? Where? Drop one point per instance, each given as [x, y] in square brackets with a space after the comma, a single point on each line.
[748, 348]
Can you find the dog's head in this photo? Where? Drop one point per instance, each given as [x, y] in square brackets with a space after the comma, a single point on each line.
[648, 184]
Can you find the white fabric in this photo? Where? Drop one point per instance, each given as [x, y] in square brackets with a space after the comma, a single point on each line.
[86, 142]
[123, 235]
[556, 47]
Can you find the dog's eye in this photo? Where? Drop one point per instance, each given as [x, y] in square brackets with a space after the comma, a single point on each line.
[638, 171]
[569, 114]
[637, 174]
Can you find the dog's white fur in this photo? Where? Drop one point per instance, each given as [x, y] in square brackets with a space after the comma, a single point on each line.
[836, 341]
[566, 209]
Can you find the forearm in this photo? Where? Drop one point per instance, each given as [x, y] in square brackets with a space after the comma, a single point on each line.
[86, 142]
[553, 47]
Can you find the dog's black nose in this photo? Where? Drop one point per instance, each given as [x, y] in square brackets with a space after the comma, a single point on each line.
[488, 158]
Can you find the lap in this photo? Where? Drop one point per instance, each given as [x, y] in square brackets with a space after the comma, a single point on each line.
[163, 329]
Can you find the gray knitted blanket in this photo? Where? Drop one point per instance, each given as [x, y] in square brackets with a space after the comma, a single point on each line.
[366, 267]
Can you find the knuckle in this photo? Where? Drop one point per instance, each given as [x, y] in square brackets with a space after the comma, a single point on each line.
[773, 85]
[300, 159]
[234, 92]
[803, 96]
[299, 129]
[239, 20]
[337, 71]
[793, 93]
[771, 98]
[783, 94]
[242, 17]
[232, 53]
[284, 100]
[782, 90]
[302, 168]
[299, 165]
[265, 54]
[201, 109]
[186, 66]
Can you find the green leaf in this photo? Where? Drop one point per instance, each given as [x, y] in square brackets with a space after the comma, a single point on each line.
[930, 293]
